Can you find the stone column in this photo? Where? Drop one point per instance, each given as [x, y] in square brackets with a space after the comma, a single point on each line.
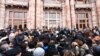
[2, 14]
[94, 15]
[63, 16]
[31, 15]
[90, 20]
[7, 18]
[73, 14]
[68, 18]
[98, 11]
[39, 16]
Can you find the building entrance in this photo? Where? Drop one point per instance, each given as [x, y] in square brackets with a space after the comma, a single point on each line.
[17, 24]
[81, 24]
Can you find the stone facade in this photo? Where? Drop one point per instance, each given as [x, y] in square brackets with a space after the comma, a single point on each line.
[2, 14]
[50, 13]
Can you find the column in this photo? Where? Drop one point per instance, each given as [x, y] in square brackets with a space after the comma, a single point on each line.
[7, 18]
[31, 15]
[94, 15]
[39, 14]
[56, 20]
[2, 14]
[73, 14]
[44, 18]
[90, 20]
[98, 11]
[60, 19]
[63, 15]
[12, 20]
[48, 19]
[68, 14]
[23, 20]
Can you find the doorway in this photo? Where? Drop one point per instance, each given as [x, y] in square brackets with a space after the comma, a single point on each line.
[81, 24]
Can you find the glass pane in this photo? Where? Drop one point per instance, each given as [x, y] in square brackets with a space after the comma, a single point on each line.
[87, 20]
[10, 14]
[46, 22]
[52, 15]
[58, 15]
[79, 15]
[20, 15]
[25, 15]
[84, 26]
[82, 15]
[80, 25]
[77, 26]
[86, 15]
[83, 21]
[52, 22]
[80, 21]
[46, 15]
[16, 15]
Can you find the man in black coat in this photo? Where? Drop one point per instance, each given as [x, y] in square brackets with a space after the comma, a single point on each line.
[19, 38]
[96, 49]
[79, 35]
[35, 33]
[52, 50]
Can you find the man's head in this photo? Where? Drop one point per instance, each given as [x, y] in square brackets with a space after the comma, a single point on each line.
[39, 44]
[4, 47]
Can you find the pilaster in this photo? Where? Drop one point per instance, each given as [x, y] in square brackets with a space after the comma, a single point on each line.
[2, 14]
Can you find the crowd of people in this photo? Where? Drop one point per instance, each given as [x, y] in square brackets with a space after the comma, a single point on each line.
[50, 42]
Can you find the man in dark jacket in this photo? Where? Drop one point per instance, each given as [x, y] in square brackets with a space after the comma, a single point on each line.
[19, 39]
[35, 33]
[52, 50]
[61, 48]
[79, 35]
[96, 49]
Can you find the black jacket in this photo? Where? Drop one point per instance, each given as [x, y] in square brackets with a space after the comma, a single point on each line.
[19, 39]
[52, 50]
[96, 50]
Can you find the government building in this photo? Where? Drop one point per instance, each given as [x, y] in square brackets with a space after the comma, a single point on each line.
[49, 13]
